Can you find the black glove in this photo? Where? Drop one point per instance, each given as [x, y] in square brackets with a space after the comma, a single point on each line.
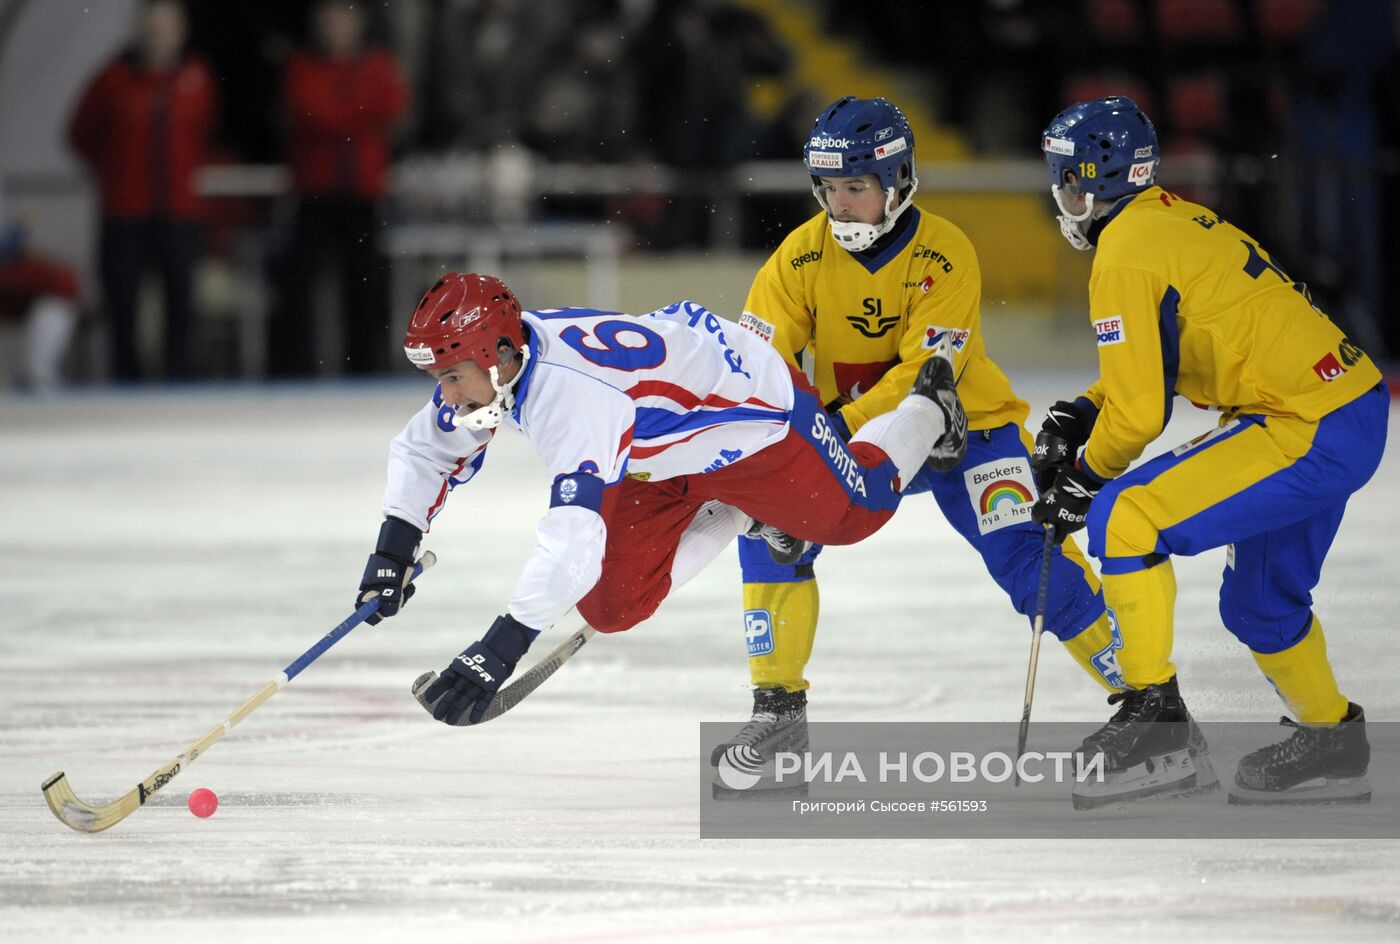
[472, 679]
[1065, 431]
[388, 569]
[1065, 504]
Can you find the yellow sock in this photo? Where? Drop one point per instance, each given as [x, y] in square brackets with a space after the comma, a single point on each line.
[1303, 676]
[1095, 649]
[780, 622]
[1142, 602]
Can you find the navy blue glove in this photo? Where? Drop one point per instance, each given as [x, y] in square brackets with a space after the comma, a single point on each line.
[1065, 505]
[1065, 431]
[388, 569]
[837, 422]
[472, 679]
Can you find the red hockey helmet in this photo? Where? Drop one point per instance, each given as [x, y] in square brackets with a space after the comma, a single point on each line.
[463, 318]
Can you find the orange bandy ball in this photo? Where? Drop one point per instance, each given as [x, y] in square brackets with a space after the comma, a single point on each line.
[203, 802]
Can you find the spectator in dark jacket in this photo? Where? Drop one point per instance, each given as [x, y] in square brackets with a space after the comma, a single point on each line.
[343, 100]
[144, 126]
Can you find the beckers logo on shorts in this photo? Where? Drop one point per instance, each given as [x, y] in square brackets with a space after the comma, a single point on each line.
[1109, 330]
[1002, 492]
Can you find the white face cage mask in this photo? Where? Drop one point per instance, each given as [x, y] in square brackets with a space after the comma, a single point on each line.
[858, 237]
[490, 415]
[1072, 226]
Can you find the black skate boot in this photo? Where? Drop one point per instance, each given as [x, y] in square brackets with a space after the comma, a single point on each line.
[1315, 765]
[936, 382]
[1151, 747]
[744, 765]
[782, 547]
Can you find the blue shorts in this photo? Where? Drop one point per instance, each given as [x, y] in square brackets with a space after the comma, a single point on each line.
[987, 499]
[1274, 488]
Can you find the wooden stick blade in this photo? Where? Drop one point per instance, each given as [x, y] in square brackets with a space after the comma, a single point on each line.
[85, 818]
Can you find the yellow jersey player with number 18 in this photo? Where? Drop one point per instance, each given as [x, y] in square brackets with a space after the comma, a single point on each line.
[869, 289]
[1183, 303]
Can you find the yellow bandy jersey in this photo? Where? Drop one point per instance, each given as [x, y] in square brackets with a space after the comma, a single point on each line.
[1184, 303]
[869, 320]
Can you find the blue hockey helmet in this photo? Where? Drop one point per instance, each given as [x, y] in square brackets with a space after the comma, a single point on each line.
[1104, 149]
[857, 136]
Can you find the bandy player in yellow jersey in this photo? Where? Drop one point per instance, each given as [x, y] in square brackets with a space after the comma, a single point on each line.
[870, 288]
[1185, 304]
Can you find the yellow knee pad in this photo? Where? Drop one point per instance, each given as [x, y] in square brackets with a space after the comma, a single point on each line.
[1303, 676]
[780, 622]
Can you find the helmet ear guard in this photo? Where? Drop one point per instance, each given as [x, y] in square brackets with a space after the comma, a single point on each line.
[490, 415]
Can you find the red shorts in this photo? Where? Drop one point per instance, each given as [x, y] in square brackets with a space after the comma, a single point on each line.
[810, 485]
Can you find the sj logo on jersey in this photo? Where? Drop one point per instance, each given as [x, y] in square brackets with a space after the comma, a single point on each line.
[874, 323]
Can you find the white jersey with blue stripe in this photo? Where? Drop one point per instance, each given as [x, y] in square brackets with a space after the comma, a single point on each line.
[675, 392]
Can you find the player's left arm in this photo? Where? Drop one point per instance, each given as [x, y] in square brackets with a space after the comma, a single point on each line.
[1134, 318]
[941, 320]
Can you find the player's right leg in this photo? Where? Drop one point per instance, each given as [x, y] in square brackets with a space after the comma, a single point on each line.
[781, 604]
[987, 499]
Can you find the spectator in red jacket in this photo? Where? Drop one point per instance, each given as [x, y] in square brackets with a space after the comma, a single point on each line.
[343, 100]
[144, 126]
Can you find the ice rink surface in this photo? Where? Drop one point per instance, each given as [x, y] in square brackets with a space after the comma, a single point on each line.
[166, 553]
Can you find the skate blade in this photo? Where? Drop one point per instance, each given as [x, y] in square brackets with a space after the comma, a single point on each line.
[1319, 792]
[1174, 775]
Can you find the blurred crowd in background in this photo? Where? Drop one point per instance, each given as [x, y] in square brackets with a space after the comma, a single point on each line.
[353, 118]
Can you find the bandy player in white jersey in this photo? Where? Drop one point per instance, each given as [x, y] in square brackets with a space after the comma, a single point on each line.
[662, 434]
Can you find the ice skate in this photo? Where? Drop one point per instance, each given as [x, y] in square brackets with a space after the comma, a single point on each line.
[1315, 765]
[744, 765]
[936, 382]
[782, 547]
[1150, 748]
